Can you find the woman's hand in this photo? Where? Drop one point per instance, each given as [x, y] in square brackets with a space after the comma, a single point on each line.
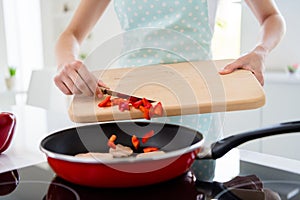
[272, 30]
[75, 78]
[253, 61]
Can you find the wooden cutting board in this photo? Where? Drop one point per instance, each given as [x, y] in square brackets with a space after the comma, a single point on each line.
[182, 88]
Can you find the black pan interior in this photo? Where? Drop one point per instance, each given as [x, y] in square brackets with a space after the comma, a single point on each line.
[93, 138]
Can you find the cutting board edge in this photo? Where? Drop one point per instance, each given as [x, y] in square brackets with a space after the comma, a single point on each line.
[254, 103]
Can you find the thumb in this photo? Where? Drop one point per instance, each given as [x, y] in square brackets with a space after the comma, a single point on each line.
[229, 68]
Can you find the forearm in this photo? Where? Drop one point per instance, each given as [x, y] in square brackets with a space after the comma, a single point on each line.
[272, 31]
[84, 19]
[66, 49]
[73, 76]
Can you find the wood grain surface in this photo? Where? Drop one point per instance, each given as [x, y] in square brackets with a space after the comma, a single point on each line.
[182, 88]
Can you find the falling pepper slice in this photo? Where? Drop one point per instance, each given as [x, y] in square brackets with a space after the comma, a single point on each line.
[147, 135]
[111, 141]
[135, 142]
[149, 149]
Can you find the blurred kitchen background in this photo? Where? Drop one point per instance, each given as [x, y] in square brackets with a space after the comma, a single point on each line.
[29, 29]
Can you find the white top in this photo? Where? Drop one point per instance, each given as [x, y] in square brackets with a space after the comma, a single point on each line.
[212, 10]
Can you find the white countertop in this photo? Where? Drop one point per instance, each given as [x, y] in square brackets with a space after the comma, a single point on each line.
[33, 124]
[271, 161]
[282, 77]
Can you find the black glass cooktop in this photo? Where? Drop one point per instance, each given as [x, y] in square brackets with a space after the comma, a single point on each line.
[40, 182]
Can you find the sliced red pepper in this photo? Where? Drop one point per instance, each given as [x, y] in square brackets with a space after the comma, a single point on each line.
[158, 110]
[106, 102]
[147, 135]
[146, 103]
[149, 149]
[135, 142]
[145, 112]
[111, 141]
[137, 104]
[133, 99]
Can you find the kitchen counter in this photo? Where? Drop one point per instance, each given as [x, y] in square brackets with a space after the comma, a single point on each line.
[282, 77]
[33, 124]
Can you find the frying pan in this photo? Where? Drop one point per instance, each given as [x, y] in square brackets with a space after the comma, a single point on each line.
[181, 144]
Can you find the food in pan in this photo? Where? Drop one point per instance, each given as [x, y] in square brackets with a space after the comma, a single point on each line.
[121, 151]
[149, 154]
[95, 155]
[135, 142]
[111, 141]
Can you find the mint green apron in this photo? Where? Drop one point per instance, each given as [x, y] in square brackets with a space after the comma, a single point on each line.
[169, 31]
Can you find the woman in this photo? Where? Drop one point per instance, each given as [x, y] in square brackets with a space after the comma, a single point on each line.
[192, 19]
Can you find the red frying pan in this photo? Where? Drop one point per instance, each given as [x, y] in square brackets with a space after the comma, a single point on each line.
[182, 146]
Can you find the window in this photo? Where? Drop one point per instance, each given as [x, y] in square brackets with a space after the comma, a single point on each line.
[22, 25]
[3, 57]
[226, 40]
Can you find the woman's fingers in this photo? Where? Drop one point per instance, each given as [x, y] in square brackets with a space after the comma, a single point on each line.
[229, 68]
[246, 63]
[89, 79]
[62, 86]
[74, 78]
[79, 84]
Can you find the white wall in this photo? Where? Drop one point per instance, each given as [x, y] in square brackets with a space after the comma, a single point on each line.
[54, 21]
[287, 52]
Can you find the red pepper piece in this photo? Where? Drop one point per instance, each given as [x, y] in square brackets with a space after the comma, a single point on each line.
[145, 112]
[149, 149]
[146, 103]
[137, 104]
[158, 110]
[135, 142]
[111, 141]
[133, 99]
[147, 135]
[106, 102]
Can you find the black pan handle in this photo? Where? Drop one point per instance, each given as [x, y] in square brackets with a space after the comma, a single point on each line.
[220, 148]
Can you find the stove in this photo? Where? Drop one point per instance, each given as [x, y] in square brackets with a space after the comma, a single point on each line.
[40, 182]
